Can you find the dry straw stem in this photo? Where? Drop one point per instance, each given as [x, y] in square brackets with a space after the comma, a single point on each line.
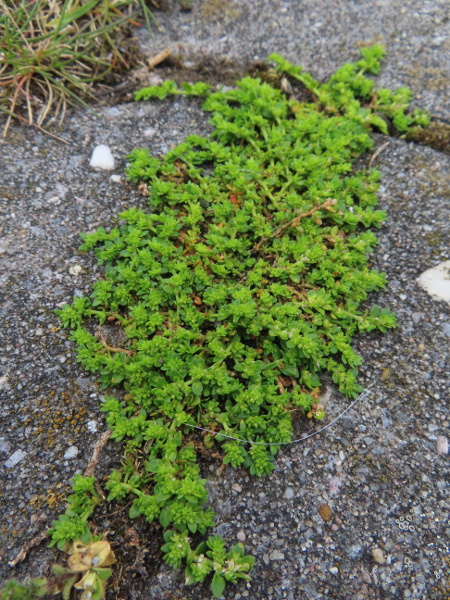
[53, 52]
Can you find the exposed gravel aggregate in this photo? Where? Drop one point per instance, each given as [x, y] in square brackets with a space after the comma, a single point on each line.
[357, 512]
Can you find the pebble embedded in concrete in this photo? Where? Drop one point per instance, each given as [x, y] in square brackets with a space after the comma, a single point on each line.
[289, 493]
[436, 281]
[71, 452]
[241, 536]
[92, 426]
[102, 158]
[442, 445]
[75, 270]
[378, 556]
[15, 458]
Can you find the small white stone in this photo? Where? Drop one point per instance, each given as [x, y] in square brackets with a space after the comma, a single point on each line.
[276, 555]
[39, 331]
[4, 445]
[116, 178]
[241, 536]
[289, 493]
[442, 445]
[334, 486]
[334, 570]
[71, 452]
[236, 488]
[378, 556]
[15, 458]
[3, 382]
[436, 281]
[75, 270]
[102, 158]
[92, 426]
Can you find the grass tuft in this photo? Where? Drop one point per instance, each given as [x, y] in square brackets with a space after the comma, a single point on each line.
[53, 52]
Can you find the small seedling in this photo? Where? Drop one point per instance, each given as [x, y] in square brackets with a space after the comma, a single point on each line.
[87, 570]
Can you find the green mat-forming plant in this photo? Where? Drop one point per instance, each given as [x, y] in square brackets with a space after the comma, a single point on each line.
[233, 292]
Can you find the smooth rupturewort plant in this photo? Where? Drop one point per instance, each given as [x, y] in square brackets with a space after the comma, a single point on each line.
[87, 570]
[232, 293]
[239, 286]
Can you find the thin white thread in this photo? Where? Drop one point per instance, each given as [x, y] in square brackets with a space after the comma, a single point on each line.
[365, 393]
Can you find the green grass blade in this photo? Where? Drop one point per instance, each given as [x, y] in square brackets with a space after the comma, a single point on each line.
[73, 15]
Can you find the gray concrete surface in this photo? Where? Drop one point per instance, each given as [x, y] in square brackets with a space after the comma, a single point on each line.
[376, 468]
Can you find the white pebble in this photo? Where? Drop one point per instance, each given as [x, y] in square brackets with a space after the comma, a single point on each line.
[334, 486]
[71, 452]
[92, 426]
[15, 458]
[102, 158]
[442, 445]
[76, 270]
[4, 445]
[378, 556]
[116, 178]
[436, 281]
[334, 570]
[241, 536]
[236, 488]
[276, 555]
[289, 493]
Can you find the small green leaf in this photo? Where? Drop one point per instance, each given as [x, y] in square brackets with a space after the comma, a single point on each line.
[59, 570]
[168, 535]
[290, 370]
[67, 587]
[152, 465]
[164, 518]
[134, 511]
[237, 549]
[102, 573]
[217, 585]
[86, 537]
[197, 388]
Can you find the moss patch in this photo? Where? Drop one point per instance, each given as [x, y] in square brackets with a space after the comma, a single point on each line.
[436, 135]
